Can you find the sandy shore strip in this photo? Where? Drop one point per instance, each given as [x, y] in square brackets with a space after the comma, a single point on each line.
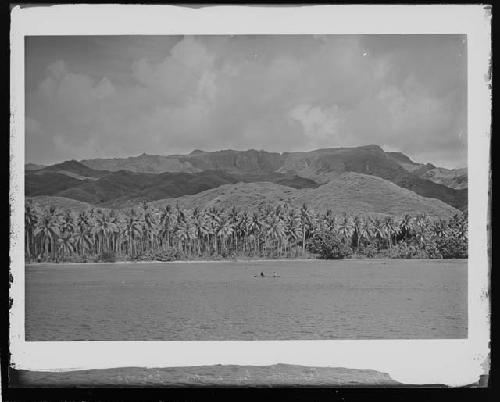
[250, 260]
[226, 261]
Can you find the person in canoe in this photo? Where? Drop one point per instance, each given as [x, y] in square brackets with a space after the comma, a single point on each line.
[262, 274]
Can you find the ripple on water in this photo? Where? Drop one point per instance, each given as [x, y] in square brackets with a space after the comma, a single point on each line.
[313, 300]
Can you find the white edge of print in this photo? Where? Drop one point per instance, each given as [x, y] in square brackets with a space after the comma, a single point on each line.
[453, 362]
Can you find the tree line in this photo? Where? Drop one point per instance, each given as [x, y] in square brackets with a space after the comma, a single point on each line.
[146, 232]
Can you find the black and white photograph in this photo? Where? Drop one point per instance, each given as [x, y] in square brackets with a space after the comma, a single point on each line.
[272, 190]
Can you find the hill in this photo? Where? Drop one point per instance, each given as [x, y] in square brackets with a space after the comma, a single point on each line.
[371, 160]
[448, 186]
[452, 178]
[49, 183]
[33, 166]
[353, 193]
[73, 169]
[118, 182]
[124, 188]
[60, 202]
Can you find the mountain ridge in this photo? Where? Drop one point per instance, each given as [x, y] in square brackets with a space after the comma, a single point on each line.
[452, 178]
[263, 161]
[153, 177]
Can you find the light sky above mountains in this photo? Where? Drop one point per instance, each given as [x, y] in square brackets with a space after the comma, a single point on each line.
[119, 96]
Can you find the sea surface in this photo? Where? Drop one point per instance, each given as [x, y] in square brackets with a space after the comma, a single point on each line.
[349, 299]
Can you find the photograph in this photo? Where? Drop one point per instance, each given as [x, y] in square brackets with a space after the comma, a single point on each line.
[243, 243]
[244, 187]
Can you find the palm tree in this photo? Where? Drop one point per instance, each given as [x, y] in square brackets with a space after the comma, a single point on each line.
[292, 229]
[377, 230]
[166, 224]
[365, 230]
[241, 230]
[406, 226]
[31, 217]
[132, 233]
[104, 230]
[48, 232]
[233, 219]
[254, 230]
[271, 231]
[345, 229]
[389, 229]
[82, 235]
[421, 223]
[305, 220]
[357, 228]
[66, 247]
[214, 228]
[200, 228]
[330, 221]
[224, 232]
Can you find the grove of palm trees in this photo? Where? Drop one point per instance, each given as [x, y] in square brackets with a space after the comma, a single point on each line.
[172, 233]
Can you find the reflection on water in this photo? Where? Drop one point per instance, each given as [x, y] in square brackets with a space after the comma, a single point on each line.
[405, 299]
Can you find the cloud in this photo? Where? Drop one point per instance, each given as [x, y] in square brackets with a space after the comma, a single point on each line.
[103, 89]
[320, 125]
[280, 93]
[182, 75]
[57, 69]
[192, 54]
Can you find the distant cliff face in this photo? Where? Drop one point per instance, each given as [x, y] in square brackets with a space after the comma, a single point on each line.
[370, 159]
[453, 178]
[235, 161]
[142, 164]
[196, 161]
[33, 166]
[151, 177]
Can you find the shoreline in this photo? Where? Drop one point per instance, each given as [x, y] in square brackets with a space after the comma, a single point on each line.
[226, 261]
[175, 262]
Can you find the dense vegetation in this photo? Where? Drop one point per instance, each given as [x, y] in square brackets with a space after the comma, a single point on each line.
[148, 233]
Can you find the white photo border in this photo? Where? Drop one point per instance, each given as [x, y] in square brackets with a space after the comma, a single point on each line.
[452, 362]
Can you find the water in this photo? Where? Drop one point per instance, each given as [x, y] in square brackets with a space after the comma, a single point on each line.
[351, 299]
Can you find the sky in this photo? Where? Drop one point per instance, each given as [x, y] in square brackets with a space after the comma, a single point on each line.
[119, 96]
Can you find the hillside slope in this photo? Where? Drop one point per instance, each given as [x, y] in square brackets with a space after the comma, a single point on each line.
[126, 188]
[71, 168]
[33, 166]
[452, 178]
[60, 202]
[372, 160]
[48, 183]
[153, 177]
[349, 192]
